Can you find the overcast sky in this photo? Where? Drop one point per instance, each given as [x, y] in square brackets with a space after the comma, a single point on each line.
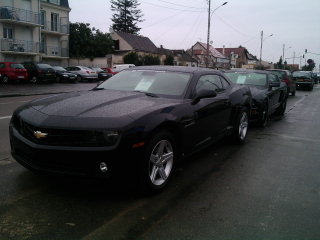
[178, 24]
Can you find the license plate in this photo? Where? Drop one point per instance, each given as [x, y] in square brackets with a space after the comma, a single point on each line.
[21, 77]
[72, 78]
[300, 80]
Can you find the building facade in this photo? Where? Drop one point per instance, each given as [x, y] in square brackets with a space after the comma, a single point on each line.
[34, 30]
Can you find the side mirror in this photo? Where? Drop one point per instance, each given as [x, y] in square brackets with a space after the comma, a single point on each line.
[274, 84]
[204, 93]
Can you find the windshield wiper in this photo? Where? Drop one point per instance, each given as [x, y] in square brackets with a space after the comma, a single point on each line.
[148, 94]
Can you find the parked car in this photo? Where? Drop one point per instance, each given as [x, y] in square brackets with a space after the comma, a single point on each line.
[136, 124]
[315, 77]
[304, 79]
[286, 76]
[119, 67]
[102, 75]
[12, 71]
[39, 72]
[109, 70]
[269, 94]
[83, 73]
[63, 75]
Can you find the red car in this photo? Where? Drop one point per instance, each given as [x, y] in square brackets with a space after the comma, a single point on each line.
[109, 70]
[12, 71]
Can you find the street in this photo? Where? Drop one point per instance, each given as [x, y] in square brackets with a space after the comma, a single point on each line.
[268, 188]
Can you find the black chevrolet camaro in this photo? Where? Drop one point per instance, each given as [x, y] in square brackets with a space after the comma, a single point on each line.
[269, 94]
[137, 124]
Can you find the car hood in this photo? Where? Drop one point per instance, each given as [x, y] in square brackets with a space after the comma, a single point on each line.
[100, 104]
[257, 91]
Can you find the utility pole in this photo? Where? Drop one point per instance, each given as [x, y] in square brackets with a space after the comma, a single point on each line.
[294, 56]
[261, 46]
[283, 55]
[208, 36]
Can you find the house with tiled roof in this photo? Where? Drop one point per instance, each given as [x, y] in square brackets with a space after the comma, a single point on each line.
[125, 43]
[216, 59]
[183, 58]
[239, 56]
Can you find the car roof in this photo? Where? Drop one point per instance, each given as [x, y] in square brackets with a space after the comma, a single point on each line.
[249, 71]
[173, 69]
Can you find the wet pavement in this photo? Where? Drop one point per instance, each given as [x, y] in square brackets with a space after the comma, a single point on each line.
[12, 90]
[268, 188]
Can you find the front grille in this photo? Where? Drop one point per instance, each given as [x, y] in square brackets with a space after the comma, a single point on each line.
[61, 137]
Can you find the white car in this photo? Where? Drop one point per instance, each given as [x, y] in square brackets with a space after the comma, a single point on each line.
[83, 73]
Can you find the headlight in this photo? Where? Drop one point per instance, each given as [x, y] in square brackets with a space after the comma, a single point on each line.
[65, 75]
[107, 138]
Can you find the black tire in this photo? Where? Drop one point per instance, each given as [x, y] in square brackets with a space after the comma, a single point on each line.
[241, 126]
[156, 172]
[282, 108]
[311, 88]
[79, 78]
[293, 93]
[58, 79]
[264, 116]
[5, 79]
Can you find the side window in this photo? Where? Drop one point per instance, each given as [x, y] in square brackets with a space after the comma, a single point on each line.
[273, 78]
[209, 82]
[2, 65]
[225, 83]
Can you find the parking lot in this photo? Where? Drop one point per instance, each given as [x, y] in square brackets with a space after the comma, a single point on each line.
[265, 189]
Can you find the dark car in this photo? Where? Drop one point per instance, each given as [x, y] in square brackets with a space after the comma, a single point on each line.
[12, 71]
[315, 77]
[102, 75]
[286, 76]
[269, 94]
[63, 75]
[139, 123]
[304, 79]
[39, 72]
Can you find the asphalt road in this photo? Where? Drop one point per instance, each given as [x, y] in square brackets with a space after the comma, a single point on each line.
[268, 188]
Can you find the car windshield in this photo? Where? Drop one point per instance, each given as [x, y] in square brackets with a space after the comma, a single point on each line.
[154, 82]
[44, 66]
[280, 74]
[58, 68]
[98, 69]
[256, 79]
[17, 66]
[302, 74]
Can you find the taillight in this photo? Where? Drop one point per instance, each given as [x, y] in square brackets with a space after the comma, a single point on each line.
[286, 80]
[88, 72]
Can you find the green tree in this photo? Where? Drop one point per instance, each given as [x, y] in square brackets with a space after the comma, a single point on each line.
[132, 58]
[87, 42]
[151, 60]
[169, 60]
[279, 64]
[126, 16]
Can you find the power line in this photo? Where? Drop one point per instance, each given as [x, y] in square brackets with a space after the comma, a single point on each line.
[184, 10]
[181, 5]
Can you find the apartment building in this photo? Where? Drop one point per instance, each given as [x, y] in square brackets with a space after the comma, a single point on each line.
[34, 30]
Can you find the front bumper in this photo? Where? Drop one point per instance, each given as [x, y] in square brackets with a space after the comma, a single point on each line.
[304, 84]
[83, 162]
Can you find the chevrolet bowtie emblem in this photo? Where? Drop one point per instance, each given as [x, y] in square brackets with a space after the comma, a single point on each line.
[39, 134]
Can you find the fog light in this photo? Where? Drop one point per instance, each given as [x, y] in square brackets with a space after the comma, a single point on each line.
[103, 167]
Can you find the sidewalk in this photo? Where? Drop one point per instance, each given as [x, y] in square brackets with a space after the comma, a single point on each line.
[14, 90]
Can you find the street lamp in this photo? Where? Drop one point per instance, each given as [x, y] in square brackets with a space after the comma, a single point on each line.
[283, 50]
[262, 40]
[209, 21]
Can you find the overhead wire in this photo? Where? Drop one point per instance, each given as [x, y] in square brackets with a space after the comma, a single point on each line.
[185, 10]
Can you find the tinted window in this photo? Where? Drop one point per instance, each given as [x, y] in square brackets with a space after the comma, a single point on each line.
[256, 79]
[44, 66]
[273, 78]
[302, 74]
[209, 82]
[280, 74]
[225, 83]
[157, 82]
[16, 65]
[2, 65]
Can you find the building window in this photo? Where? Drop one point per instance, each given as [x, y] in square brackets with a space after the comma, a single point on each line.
[57, 2]
[43, 18]
[8, 33]
[54, 22]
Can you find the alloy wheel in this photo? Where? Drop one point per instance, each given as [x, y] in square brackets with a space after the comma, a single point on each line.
[160, 162]
[243, 126]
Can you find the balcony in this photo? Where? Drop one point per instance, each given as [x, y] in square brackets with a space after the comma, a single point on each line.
[19, 16]
[55, 28]
[54, 51]
[19, 47]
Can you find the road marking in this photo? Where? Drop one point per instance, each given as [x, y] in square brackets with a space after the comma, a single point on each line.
[5, 117]
[13, 102]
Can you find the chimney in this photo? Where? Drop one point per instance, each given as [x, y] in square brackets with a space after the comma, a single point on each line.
[223, 49]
